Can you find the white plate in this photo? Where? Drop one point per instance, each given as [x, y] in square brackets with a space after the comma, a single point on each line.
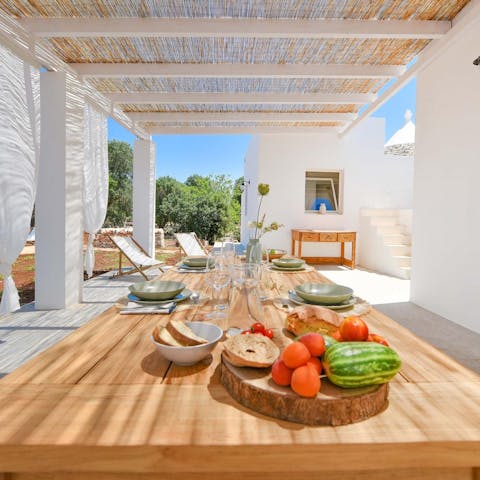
[179, 298]
[341, 306]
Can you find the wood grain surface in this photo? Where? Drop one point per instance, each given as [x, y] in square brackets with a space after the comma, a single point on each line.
[103, 403]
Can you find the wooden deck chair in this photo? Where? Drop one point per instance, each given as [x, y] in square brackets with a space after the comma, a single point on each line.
[190, 244]
[135, 254]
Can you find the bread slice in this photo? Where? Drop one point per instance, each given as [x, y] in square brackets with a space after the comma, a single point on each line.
[183, 334]
[162, 335]
[313, 318]
[250, 351]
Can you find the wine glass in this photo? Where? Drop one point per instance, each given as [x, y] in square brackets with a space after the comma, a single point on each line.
[228, 250]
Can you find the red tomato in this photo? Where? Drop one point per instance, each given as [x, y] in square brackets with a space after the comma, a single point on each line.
[268, 333]
[353, 329]
[257, 328]
[373, 337]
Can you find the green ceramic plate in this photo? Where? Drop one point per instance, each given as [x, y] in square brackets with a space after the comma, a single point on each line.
[347, 304]
[179, 298]
[323, 293]
[288, 262]
[156, 289]
[196, 261]
[280, 269]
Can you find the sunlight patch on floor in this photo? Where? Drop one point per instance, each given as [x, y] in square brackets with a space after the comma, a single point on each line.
[373, 287]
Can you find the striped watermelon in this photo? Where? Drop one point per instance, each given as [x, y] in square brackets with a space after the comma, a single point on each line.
[359, 364]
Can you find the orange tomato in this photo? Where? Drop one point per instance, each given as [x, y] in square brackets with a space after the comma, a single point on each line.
[305, 381]
[315, 363]
[373, 337]
[295, 355]
[315, 343]
[281, 374]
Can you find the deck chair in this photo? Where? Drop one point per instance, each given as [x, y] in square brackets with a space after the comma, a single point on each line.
[135, 254]
[190, 244]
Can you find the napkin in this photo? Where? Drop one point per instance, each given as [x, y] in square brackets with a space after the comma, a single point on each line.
[133, 308]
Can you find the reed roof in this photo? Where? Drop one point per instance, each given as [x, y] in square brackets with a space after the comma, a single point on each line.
[228, 50]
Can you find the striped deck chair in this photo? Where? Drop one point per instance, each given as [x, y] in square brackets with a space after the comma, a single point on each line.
[135, 254]
[190, 244]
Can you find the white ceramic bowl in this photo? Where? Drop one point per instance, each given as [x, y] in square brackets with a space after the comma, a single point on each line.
[191, 355]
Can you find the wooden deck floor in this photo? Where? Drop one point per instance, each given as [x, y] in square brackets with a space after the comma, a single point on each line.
[26, 333]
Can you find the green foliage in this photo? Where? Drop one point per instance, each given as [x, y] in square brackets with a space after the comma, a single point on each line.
[120, 170]
[209, 206]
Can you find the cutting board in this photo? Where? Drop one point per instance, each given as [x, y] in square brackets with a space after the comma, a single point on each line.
[255, 389]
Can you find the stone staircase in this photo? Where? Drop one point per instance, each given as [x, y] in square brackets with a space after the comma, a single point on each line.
[386, 241]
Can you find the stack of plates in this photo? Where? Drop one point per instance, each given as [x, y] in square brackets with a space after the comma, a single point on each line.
[194, 263]
[158, 292]
[288, 264]
[333, 296]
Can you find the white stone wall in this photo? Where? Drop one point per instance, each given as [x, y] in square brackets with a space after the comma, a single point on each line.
[446, 217]
[370, 180]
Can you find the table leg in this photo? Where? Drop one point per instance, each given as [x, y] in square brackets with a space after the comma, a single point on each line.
[293, 246]
[342, 253]
[354, 242]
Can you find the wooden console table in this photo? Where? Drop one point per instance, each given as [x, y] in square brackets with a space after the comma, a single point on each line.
[325, 236]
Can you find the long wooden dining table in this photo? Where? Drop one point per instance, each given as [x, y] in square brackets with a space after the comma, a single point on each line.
[104, 404]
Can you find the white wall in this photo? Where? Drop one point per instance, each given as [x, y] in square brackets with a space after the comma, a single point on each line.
[446, 221]
[370, 180]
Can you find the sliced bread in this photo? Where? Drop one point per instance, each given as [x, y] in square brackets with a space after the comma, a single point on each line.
[250, 351]
[162, 335]
[183, 334]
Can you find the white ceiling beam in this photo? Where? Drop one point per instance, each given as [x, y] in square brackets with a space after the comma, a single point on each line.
[469, 17]
[235, 70]
[239, 117]
[146, 98]
[247, 129]
[238, 27]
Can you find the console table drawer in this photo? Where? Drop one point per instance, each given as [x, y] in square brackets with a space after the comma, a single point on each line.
[346, 237]
[328, 237]
[310, 237]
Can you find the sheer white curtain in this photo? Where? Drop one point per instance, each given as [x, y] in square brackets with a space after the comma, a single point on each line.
[19, 148]
[95, 179]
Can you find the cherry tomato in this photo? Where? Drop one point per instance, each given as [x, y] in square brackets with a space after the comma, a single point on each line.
[247, 332]
[373, 337]
[257, 328]
[353, 329]
[268, 333]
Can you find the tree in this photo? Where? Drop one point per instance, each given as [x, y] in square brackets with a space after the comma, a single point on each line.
[120, 174]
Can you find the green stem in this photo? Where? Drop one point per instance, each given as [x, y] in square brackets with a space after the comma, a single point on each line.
[258, 215]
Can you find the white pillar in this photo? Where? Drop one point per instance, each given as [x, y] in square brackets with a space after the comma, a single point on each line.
[59, 201]
[144, 194]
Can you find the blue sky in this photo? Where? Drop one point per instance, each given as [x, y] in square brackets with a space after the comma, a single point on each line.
[180, 156]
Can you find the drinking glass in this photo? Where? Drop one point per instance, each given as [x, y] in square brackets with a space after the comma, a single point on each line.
[219, 279]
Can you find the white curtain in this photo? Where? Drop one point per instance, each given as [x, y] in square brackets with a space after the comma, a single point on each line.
[95, 179]
[19, 149]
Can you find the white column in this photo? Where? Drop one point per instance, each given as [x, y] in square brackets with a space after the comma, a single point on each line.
[59, 201]
[144, 194]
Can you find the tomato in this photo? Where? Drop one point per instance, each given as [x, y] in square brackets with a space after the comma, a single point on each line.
[353, 329]
[257, 327]
[373, 337]
[268, 333]
[247, 332]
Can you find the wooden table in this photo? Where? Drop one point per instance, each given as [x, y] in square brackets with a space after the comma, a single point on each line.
[103, 404]
[337, 236]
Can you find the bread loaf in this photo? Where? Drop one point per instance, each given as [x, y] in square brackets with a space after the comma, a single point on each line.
[312, 318]
[183, 334]
[250, 351]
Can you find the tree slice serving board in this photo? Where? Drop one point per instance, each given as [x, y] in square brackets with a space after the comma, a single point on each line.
[255, 389]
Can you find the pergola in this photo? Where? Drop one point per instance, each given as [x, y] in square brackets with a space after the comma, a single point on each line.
[284, 67]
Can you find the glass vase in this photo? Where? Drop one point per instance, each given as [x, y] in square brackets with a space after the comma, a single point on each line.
[254, 251]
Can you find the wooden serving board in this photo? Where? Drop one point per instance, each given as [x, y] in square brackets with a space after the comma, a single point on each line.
[255, 389]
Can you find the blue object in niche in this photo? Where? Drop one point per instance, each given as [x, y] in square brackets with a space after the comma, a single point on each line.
[318, 201]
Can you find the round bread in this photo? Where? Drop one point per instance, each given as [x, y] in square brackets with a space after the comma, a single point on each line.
[250, 351]
[313, 318]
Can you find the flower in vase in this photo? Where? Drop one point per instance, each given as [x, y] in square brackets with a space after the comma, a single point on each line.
[259, 225]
